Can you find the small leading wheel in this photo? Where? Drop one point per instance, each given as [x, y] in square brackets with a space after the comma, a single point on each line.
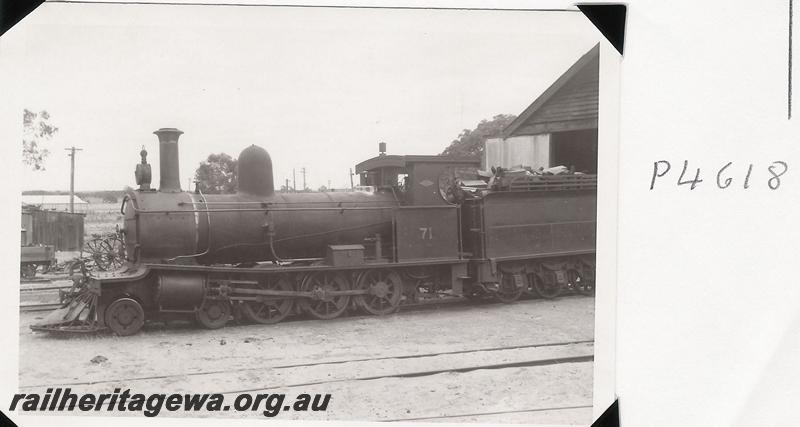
[546, 285]
[213, 314]
[125, 316]
[508, 291]
[323, 305]
[385, 289]
[266, 309]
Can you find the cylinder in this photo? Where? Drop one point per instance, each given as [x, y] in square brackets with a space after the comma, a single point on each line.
[168, 159]
[178, 291]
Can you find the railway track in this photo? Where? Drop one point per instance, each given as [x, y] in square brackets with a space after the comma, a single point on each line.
[417, 372]
[34, 280]
[485, 414]
[331, 377]
[458, 361]
[505, 376]
[42, 280]
[44, 289]
[426, 372]
[39, 307]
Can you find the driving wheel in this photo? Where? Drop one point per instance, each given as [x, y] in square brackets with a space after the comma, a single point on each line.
[385, 288]
[323, 305]
[266, 309]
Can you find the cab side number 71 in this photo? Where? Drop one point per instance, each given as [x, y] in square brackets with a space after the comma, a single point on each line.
[427, 233]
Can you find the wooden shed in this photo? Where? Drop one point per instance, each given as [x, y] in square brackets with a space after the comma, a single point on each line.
[559, 127]
[63, 230]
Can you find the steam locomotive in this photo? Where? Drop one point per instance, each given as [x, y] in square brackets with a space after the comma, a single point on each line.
[428, 225]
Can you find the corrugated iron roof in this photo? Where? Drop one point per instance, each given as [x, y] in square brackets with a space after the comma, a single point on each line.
[589, 58]
[50, 199]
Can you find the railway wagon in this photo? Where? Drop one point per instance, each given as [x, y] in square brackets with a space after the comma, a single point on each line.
[263, 256]
[32, 257]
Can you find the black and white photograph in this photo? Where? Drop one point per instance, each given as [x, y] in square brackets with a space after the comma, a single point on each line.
[311, 213]
[425, 212]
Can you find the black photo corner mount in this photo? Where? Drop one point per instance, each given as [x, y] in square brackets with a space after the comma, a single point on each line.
[610, 417]
[610, 20]
[4, 420]
[12, 11]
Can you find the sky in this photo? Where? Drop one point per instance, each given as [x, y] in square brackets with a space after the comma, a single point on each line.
[318, 88]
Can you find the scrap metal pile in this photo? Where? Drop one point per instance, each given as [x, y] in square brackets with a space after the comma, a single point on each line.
[523, 179]
[78, 305]
[104, 252]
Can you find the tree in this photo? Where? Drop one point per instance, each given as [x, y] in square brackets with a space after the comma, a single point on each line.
[36, 130]
[322, 189]
[217, 174]
[471, 142]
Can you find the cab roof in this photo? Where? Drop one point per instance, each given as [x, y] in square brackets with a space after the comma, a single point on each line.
[402, 162]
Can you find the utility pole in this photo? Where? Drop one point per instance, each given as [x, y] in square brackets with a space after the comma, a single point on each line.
[303, 171]
[72, 151]
[351, 179]
[294, 181]
[287, 186]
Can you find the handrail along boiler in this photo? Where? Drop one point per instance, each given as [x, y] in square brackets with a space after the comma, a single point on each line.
[264, 255]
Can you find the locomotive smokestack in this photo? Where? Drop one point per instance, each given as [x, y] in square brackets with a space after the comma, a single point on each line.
[168, 158]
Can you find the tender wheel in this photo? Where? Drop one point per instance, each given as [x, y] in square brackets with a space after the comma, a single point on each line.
[213, 314]
[508, 291]
[586, 286]
[546, 285]
[530, 288]
[385, 290]
[325, 306]
[28, 271]
[267, 309]
[125, 316]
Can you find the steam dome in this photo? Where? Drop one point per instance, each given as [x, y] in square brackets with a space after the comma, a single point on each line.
[255, 172]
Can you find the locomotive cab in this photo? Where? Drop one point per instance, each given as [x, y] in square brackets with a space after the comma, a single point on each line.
[427, 222]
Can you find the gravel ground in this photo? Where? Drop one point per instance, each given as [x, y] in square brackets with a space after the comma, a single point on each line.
[364, 362]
